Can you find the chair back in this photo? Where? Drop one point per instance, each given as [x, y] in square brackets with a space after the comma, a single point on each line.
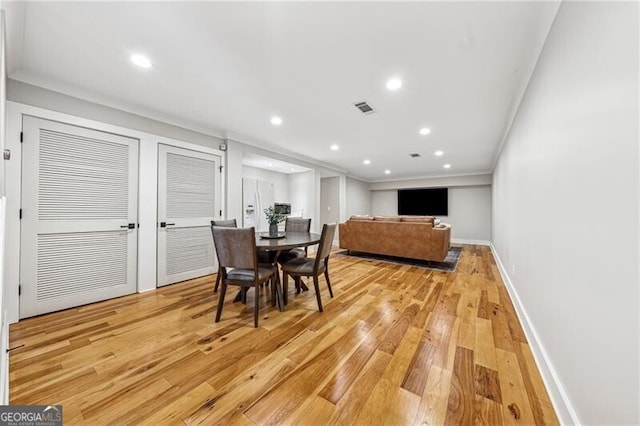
[297, 224]
[326, 239]
[230, 223]
[235, 247]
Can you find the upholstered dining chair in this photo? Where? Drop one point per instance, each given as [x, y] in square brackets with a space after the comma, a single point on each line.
[312, 267]
[229, 223]
[236, 248]
[295, 224]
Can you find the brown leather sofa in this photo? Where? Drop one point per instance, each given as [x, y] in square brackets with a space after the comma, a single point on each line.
[413, 237]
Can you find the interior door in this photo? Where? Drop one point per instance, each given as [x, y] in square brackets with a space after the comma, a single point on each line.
[189, 188]
[79, 216]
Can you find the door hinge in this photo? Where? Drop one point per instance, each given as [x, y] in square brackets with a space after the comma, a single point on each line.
[21, 137]
[19, 290]
[220, 213]
[220, 168]
[20, 214]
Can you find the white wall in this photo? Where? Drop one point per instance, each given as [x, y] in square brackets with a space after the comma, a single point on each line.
[302, 195]
[469, 211]
[384, 203]
[329, 200]
[358, 198]
[4, 326]
[280, 181]
[234, 181]
[565, 212]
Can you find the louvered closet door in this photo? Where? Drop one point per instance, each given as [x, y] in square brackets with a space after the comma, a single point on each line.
[188, 199]
[79, 195]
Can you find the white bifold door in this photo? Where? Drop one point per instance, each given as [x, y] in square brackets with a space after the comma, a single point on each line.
[79, 216]
[189, 186]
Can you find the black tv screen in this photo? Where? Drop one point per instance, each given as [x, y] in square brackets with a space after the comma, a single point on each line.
[429, 201]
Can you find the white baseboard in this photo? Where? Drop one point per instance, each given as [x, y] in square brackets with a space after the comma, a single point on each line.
[472, 242]
[4, 324]
[559, 398]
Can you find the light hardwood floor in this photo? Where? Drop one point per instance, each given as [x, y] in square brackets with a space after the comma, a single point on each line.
[397, 345]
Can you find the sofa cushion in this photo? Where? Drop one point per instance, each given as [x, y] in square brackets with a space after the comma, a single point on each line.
[420, 219]
[386, 218]
[361, 217]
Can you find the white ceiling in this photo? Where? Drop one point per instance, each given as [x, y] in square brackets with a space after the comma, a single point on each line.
[230, 66]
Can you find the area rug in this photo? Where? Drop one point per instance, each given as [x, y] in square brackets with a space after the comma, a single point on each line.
[449, 264]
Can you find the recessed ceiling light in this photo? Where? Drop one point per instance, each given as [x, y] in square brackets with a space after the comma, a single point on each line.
[438, 153]
[292, 169]
[276, 121]
[334, 147]
[141, 61]
[394, 83]
[270, 164]
[447, 166]
[425, 131]
[367, 162]
[386, 172]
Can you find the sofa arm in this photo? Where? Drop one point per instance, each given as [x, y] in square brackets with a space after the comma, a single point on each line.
[442, 238]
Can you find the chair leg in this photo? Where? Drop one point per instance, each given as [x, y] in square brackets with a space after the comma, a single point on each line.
[215, 288]
[315, 284]
[326, 277]
[285, 288]
[256, 310]
[278, 293]
[272, 286]
[223, 291]
[297, 281]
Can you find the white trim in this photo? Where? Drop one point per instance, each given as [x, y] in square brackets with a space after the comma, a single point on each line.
[480, 173]
[4, 331]
[472, 242]
[267, 149]
[559, 398]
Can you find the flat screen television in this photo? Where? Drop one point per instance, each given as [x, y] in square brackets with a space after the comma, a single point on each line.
[424, 201]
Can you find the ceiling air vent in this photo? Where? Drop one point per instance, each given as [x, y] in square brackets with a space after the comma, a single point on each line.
[414, 155]
[364, 107]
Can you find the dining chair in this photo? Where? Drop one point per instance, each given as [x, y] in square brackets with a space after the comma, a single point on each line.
[312, 267]
[236, 248]
[295, 224]
[229, 223]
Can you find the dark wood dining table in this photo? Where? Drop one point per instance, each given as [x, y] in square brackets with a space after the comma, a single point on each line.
[288, 241]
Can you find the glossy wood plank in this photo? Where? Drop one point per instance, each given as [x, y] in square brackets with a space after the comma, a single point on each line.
[433, 405]
[398, 344]
[460, 407]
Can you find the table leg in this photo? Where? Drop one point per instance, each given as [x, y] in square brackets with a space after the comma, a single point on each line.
[277, 283]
